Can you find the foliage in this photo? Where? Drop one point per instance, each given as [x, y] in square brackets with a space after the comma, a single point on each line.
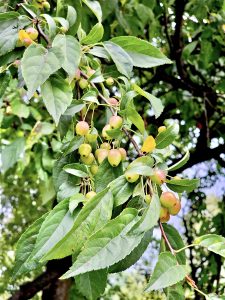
[59, 91]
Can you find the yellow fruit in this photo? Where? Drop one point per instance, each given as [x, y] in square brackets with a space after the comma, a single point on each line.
[161, 129]
[149, 144]
[115, 122]
[82, 128]
[32, 32]
[164, 215]
[114, 157]
[94, 169]
[88, 160]
[105, 146]
[101, 155]
[83, 83]
[123, 153]
[46, 5]
[168, 199]
[85, 150]
[148, 198]
[109, 81]
[104, 133]
[131, 177]
[90, 195]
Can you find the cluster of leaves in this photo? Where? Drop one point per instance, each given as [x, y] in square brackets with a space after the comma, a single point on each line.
[68, 70]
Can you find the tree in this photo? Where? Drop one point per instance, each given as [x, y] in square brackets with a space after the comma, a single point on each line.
[84, 126]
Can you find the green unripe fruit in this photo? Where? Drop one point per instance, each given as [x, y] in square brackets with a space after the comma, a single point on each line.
[82, 128]
[105, 146]
[168, 199]
[88, 160]
[113, 101]
[164, 215]
[115, 122]
[94, 169]
[114, 157]
[32, 32]
[84, 150]
[83, 83]
[104, 133]
[90, 195]
[159, 177]
[109, 81]
[46, 5]
[148, 198]
[131, 177]
[174, 210]
[101, 155]
[123, 153]
[161, 129]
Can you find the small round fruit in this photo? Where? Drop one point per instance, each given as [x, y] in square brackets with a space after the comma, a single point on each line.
[101, 155]
[63, 29]
[131, 177]
[113, 101]
[92, 137]
[159, 176]
[84, 150]
[27, 42]
[82, 128]
[168, 199]
[105, 146]
[148, 198]
[123, 153]
[161, 129]
[32, 32]
[88, 160]
[109, 81]
[104, 133]
[115, 122]
[46, 5]
[164, 215]
[94, 169]
[90, 195]
[83, 83]
[114, 157]
[174, 210]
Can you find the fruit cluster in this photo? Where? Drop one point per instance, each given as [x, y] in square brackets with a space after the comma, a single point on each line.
[27, 37]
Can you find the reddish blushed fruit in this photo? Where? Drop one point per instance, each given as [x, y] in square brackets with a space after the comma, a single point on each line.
[115, 122]
[164, 215]
[123, 153]
[104, 133]
[88, 160]
[84, 150]
[131, 177]
[94, 169]
[159, 177]
[101, 155]
[90, 195]
[168, 199]
[32, 32]
[113, 101]
[174, 210]
[105, 146]
[83, 83]
[77, 74]
[27, 42]
[82, 128]
[114, 157]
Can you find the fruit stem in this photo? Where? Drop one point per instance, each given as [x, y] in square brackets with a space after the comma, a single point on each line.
[186, 247]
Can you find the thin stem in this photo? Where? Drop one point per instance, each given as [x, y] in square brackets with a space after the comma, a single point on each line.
[166, 239]
[184, 248]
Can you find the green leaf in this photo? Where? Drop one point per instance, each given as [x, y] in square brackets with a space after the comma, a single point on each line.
[149, 218]
[106, 174]
[133, 116]
[56, 225]
[71, 15]
[156, 103]
[95, 35]
[51, 25]
[91, 218]
[121, 59]
[166, 273]
[75, 200]
[90, 96]
[73, 145]
[176, 242]
[74, 108]
[181, 185]
[76, 169]
[180, 163]
[71, 52]
[134, 256]
[175, 292]
[57, 96]
[107, 246]
[121, 190]
[166, 137]
[214, 297]
[9, 27]
[92, 284]
[141, 165]
[4, 82]
[63, 22]
[143, 54]
[100, 52]
[20, 109]
[25, 246]
[12, 153]
[212, 242]
[95, 7]
[38, 64]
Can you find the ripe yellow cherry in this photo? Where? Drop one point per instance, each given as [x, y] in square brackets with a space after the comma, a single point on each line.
[114, 157]
[84, 150]
[82, 128]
